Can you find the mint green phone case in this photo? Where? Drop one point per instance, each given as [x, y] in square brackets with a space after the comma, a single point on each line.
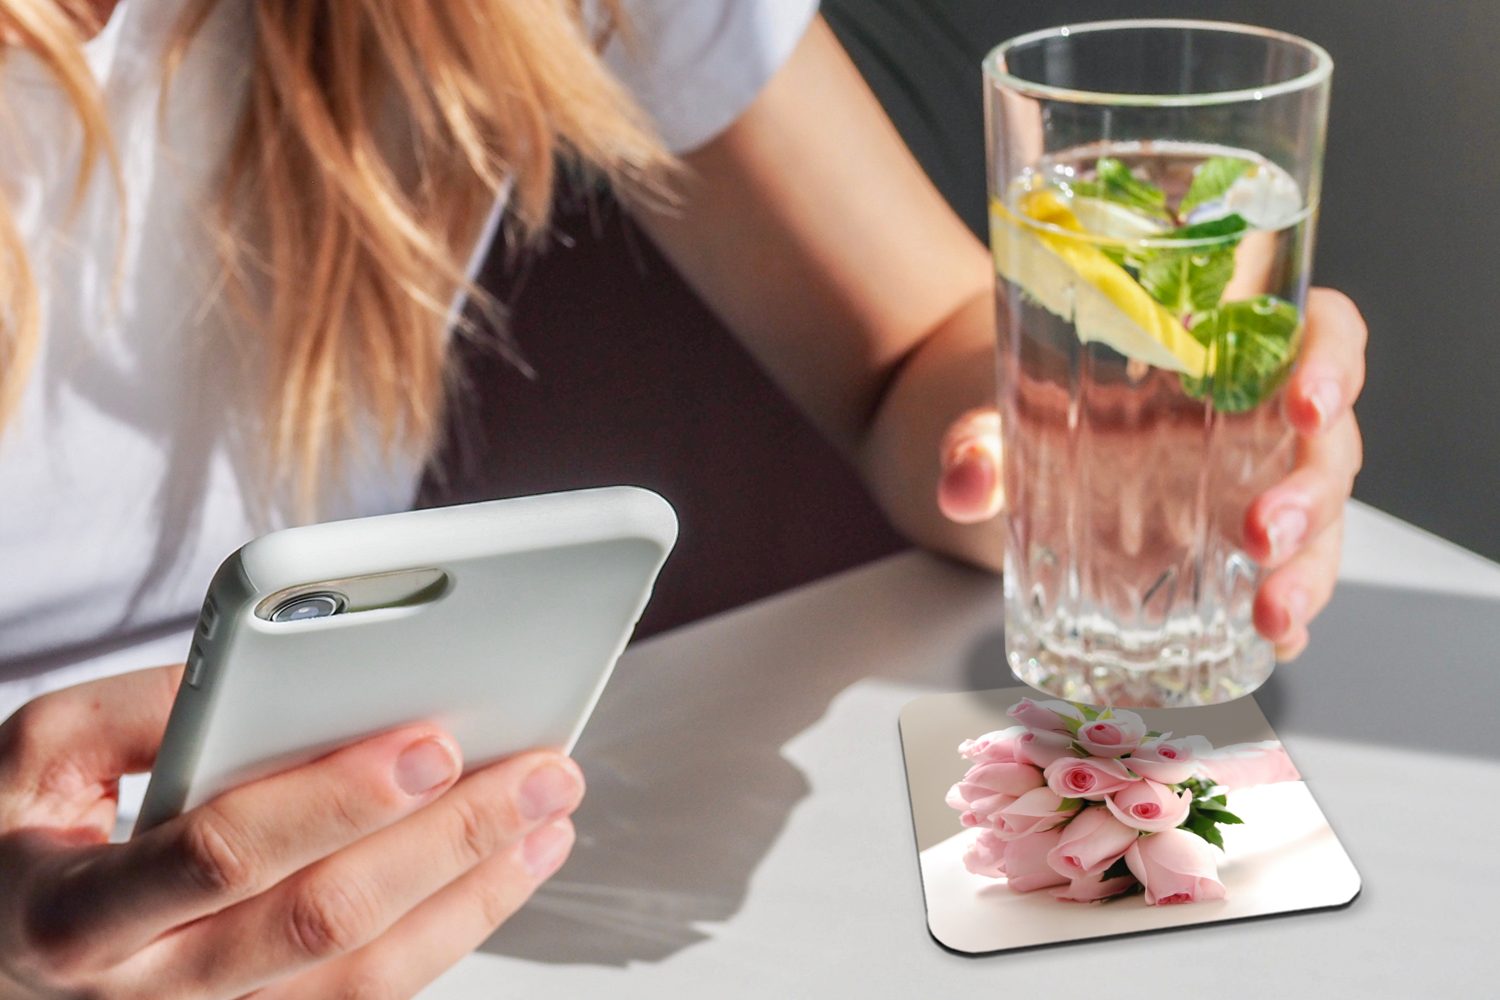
[509, 649]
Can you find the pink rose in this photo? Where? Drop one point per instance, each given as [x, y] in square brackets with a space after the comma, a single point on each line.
[1045, 715]
[1026, 868]
[1118, 734]
[1087, 777]
[984, 855]
[998, 747]
[1091, 843]
[1042, 746]
[1091, 888]
[1169, 761]
[1038, 809]
[988, 788]
[1175, 866]
[1149, 806]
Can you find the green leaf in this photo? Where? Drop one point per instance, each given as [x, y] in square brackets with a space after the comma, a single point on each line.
[1192, 279]
[1068, 805]
[1203, 827]
[1114, 182]
[1211, 179]
[1115, 870]
[1221, 799]
[1088, 713]
[1250, 349]
[1072, 725]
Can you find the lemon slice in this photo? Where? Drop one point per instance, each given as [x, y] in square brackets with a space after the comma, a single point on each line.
[1107, 219]
[1076, 281]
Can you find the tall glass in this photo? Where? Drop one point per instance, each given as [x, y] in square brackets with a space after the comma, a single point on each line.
[1153, 187]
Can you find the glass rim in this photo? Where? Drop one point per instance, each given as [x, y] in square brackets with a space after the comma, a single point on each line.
[1321, 70]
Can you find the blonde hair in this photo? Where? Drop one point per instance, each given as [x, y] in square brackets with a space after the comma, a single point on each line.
[347, 256]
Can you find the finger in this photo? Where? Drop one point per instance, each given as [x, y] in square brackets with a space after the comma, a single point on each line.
[1293, 645]
[1331, 371]
[441, 930]
[351, 898]
[100, 730]
[1301, 506]
[109, 905]
[1294, 594]
[969, 487]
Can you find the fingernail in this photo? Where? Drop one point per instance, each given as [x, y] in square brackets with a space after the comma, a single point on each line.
[971, 479]
[425, 765]
[1285, 531]
[1324, 395]
[548, 790]
[544, 851]
[1296, 607]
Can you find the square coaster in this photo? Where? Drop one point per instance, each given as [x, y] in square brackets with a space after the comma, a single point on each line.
[1284, 858]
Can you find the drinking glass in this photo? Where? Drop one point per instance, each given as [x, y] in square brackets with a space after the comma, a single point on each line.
[1153, 188]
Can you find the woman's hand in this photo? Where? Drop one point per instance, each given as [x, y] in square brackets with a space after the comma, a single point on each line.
[1296, 527]
[374, 868]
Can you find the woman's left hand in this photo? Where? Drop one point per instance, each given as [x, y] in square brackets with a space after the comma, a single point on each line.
[1295, 528]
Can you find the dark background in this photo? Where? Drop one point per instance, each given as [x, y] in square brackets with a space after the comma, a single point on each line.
[636, 382]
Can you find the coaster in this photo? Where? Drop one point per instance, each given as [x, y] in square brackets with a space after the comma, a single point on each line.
[1283, 858]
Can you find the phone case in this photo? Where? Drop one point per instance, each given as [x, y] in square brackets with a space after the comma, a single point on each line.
[538, 598]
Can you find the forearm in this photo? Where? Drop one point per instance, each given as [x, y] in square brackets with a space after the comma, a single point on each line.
[950, 372]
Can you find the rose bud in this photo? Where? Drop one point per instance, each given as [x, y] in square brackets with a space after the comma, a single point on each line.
[988, 788]
[1045, 715]
[983, 856]
[1174, 866]
[1090, 844]
[1026, 867]
[1115, 736]
[1038, 809]
[1149, 806]
[998, 747]
[1042, 746]
[1169, 761]
[1087, 777]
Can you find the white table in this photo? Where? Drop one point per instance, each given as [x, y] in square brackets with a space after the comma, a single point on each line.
[747, 834]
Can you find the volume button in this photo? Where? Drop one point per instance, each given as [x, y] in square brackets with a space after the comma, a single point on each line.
[194, 673]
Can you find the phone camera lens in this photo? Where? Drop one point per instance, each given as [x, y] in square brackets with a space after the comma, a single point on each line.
[306, 606]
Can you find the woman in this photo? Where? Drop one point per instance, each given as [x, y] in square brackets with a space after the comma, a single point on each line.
[232, 238]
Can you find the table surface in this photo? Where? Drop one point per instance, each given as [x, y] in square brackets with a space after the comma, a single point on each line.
[747, 834]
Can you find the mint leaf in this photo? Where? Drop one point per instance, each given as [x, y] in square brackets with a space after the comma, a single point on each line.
[1115, 870]
[1211, 180]
[1250, 346]
[1193, 279]
[1114, 182]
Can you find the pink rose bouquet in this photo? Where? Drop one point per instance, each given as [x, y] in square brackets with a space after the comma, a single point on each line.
[1092, 804]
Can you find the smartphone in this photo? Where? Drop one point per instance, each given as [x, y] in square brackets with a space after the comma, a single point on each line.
[500, 621]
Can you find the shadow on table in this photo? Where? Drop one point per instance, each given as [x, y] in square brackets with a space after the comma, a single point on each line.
[1386, 665]
[688, 788]
[1395, 667]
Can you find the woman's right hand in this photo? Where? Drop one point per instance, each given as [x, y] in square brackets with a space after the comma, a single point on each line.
[367, 872]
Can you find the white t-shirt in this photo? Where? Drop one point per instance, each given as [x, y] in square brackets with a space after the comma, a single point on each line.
[125, 477]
